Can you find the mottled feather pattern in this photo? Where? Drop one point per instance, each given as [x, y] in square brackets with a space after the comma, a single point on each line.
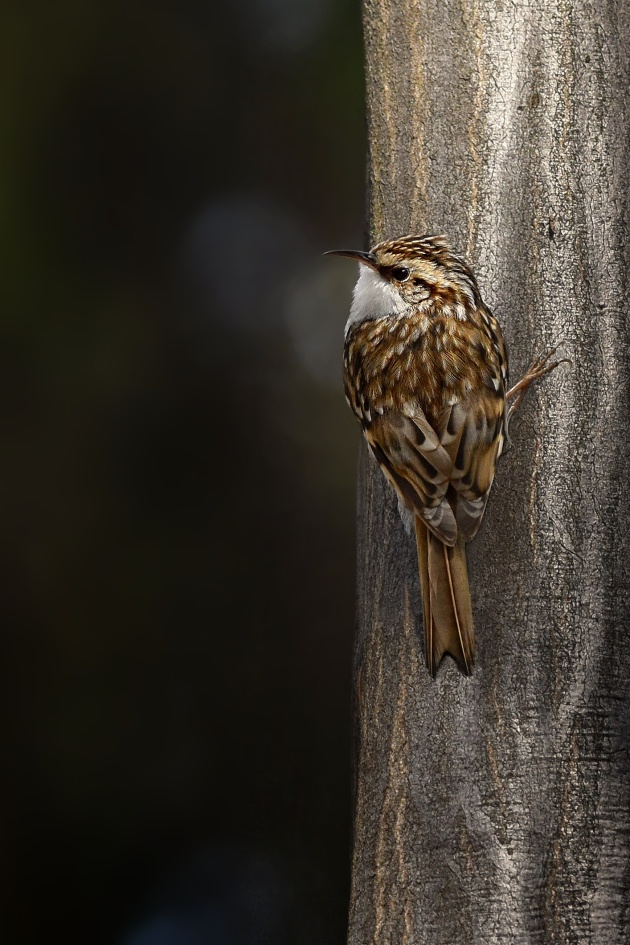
[425, 372]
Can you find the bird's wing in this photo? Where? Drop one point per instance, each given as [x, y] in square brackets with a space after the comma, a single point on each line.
[472, 433]
[444, 475]
[417, 465]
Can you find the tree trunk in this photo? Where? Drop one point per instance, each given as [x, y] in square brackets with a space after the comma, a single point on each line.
[496, 808]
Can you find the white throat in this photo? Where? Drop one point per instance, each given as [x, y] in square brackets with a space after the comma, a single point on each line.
[374, 297]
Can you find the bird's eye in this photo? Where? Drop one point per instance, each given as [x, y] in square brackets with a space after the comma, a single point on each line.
[400, 273]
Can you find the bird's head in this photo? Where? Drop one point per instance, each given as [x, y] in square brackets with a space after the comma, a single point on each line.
[409, 274]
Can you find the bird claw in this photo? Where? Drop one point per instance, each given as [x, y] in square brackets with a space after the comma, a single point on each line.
[539, 367]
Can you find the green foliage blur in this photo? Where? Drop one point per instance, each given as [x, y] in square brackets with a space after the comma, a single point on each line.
[177, 468]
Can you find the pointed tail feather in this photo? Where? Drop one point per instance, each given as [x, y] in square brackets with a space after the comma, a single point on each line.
[448, 623]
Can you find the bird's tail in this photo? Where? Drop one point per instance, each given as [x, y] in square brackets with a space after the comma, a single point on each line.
[448, 622]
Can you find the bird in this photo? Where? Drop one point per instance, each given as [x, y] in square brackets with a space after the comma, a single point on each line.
[425, 370]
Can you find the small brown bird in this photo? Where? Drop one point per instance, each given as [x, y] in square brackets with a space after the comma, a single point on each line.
[426, 374]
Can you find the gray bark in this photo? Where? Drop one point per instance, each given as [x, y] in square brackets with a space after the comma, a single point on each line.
[496, 808]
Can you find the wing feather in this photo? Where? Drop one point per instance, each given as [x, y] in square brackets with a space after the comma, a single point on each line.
[444, 475]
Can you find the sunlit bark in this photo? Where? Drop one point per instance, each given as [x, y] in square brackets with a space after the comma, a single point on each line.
[496, 808]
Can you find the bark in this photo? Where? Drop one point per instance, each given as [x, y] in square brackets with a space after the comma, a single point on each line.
[496, 808]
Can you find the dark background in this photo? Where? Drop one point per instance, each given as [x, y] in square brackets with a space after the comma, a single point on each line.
[177, 474]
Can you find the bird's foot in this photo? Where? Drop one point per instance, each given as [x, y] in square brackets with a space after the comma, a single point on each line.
[537, 369]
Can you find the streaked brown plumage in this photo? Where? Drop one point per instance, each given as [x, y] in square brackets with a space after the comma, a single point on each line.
[426, 373]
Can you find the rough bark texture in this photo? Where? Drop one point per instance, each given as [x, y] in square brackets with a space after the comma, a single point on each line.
[496, 808]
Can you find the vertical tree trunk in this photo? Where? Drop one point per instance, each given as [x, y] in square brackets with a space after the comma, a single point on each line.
[496, 808]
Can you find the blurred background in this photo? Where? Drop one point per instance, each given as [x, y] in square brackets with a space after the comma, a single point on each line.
[177, 473]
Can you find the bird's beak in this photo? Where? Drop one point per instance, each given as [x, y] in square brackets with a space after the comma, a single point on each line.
[368, 259]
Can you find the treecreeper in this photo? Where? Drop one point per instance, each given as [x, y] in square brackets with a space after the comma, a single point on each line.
[426, 375]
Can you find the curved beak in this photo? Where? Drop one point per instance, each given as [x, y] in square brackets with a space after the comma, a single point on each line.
[368, 259]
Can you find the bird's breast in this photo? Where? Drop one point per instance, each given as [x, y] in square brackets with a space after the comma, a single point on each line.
[430, 361]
